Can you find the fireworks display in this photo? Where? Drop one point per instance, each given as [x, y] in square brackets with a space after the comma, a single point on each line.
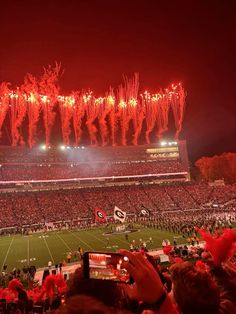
[109, 120]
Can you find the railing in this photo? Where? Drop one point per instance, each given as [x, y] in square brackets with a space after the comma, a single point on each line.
[156, 175]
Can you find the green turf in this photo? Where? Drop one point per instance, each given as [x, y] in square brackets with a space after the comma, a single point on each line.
[37, 249]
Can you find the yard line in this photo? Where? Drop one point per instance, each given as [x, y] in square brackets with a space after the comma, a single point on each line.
[115, 236]
[155, 236]
[70, 249]
[96, 237]
[49, 251]
[7, 253]
[28, 249]
[91, 248]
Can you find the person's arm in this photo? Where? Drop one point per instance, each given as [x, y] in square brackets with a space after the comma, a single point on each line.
[147, 286]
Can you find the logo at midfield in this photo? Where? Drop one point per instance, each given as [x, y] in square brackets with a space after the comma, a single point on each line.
[100, 215]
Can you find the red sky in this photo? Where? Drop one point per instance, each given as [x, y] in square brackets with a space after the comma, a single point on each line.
[165, 41]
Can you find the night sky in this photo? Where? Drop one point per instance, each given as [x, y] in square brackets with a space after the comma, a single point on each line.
[97, 41]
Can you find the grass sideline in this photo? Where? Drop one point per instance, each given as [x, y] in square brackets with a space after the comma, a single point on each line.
[38, 248]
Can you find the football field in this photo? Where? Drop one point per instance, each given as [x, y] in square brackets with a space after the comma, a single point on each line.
[38, 248]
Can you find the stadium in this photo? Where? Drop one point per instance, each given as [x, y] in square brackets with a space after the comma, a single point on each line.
[49, 197]
[58, 201]
[117, 197]
[103, 178]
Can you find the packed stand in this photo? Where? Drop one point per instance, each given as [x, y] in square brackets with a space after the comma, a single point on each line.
[40, 207]
[86, 170]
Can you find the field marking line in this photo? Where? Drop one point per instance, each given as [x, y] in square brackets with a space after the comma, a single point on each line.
[110, 237]
[49, 251]
[64, 242]
[145, 231]
[28, 249]
[159, 231]
[95, 237]
[115, 236]
[7, 253]
[89, 246]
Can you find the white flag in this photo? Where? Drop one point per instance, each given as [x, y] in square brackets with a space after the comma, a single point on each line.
[119, 214]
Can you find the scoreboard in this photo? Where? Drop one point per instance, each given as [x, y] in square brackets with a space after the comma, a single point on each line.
[163, 153]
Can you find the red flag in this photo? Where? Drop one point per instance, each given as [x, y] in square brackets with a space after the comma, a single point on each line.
[100, 215]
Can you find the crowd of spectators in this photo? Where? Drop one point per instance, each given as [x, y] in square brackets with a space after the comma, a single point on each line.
[22, 164]
[184, 287]
[48, 171]
[39, 207]
[196, 280]
[9, 154]
[191, 283]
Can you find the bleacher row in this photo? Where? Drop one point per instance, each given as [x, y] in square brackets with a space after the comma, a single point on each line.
[85, 170]
[10, 154]
[28, 208]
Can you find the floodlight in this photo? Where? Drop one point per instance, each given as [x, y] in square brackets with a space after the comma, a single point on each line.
[163, 143]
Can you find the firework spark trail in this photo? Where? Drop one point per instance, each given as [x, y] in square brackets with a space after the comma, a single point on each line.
[179, 107]
[31, 88]
[33, 111]
[66, 105]
[113, 113]
[104, 109]
[127, 105]
[49, 117]
[150, 113]
[138, 123]
[162, 113]
[49, 88]
[111, 101]
[4, 102]
[18, 113]
[123, 114]
[132, 95]
[92, 110]
[77, 116]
